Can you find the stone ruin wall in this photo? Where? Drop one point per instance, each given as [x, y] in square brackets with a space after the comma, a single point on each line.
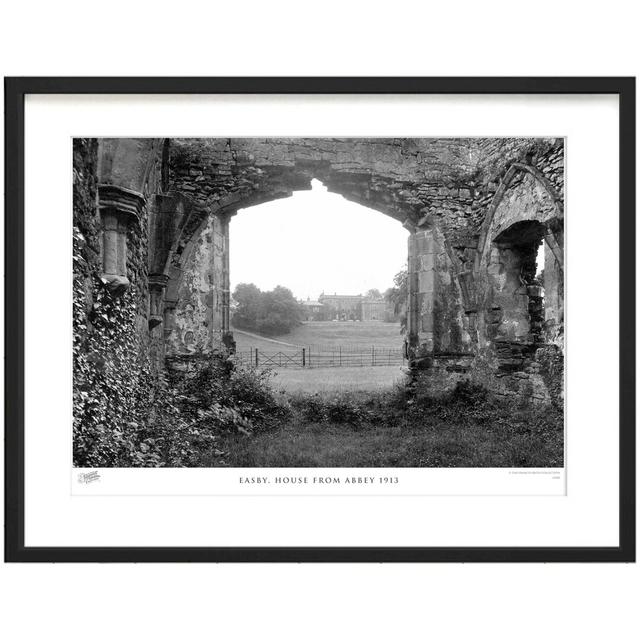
[477, 298]
[113, 364]
[195, 322]
[442, 190]
[89, 161]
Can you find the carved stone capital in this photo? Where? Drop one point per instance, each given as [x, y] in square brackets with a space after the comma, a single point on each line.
[119, 208]
[123, 202]
[409, 225]
[116, 284]
[158, 280]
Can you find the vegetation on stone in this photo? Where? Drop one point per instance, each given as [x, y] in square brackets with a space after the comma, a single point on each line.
[187, 419]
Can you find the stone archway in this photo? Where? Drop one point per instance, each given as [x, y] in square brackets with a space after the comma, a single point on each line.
[200, 278]
[164, 208]
[219, 177]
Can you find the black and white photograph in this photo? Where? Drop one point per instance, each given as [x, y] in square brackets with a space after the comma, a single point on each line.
[320, 320]
[318, 302]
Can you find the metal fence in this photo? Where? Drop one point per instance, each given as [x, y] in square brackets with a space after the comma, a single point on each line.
[309, 357]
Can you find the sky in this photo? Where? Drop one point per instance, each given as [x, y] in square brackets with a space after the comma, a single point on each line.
[315, 242]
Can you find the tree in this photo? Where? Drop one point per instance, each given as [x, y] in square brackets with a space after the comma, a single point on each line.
[398, 296]
[374, 294]
[248, 298]
[269, 312]
[279, 312]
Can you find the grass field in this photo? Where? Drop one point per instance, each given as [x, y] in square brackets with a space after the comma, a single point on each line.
[385, 335]
[335, 379]
[321, 337]
[245, 341]
[326, 335]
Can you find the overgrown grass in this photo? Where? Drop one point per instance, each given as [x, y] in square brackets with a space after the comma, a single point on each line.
[189, 416]
[222, 415]
[397, 429]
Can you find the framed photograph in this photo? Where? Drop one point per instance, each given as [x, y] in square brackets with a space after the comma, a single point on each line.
[320, 319]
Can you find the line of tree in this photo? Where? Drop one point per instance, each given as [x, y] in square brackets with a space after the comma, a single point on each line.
[273, 312]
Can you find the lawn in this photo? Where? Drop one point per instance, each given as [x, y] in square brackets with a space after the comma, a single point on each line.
[327, 335]
[385, 335]
[246, 341]
[354, 345]
[336, 379]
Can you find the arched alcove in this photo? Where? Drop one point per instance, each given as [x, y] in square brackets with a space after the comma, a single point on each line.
[525, 280]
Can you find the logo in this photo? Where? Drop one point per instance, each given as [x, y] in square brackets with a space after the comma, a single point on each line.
[88, 477]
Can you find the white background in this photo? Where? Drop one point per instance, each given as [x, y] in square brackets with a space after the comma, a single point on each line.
[400, 38]
[586, 516]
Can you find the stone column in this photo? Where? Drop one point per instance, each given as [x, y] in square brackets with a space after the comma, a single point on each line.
[422, 276]
[119, 209]
[157, 286]
[226, 276]
[169, 317]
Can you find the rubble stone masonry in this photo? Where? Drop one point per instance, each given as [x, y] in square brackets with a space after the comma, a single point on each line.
[477, 209]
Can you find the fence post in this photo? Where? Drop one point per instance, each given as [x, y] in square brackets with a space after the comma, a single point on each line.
[256, 356]
[340, 354]
[303, 356]
[373, 356]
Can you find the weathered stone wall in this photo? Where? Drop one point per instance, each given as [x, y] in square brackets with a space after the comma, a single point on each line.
[457, 196]
[452, 331]
[112, 381]
[410, 180]
[471, 300]
[400, 177]
[526, 199]
[86, 219]
[196, 324]
[496, 155]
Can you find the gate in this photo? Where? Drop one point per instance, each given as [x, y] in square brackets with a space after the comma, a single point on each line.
[322, 357]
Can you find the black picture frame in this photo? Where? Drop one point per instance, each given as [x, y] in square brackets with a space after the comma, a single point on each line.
[15, 91]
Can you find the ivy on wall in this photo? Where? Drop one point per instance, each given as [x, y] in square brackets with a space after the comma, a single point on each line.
[126, 413]
[113, 388]
[113, 385]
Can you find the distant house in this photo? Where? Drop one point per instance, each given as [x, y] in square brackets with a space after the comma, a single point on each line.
[342, 307]
[313, 310]
[359, 307]
[374, 309]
